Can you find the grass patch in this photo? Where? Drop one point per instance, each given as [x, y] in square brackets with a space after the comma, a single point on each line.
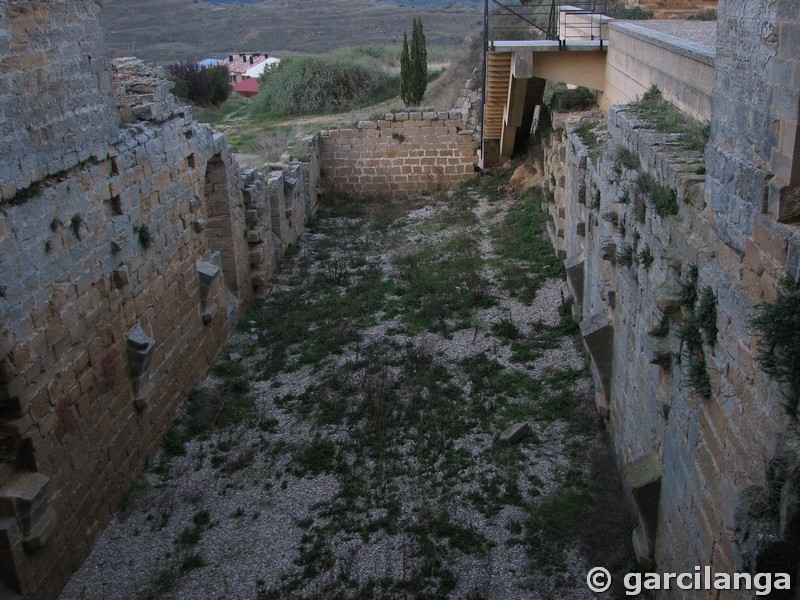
[664, 200]
[527, 258]
[666, 118]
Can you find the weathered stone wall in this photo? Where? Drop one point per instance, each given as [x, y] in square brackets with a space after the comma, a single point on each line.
[404, 153]
[122, 271]
[691, 462]
[61, 112]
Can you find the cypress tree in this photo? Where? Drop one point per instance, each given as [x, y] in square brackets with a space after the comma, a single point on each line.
[405, 72]
[419, 63]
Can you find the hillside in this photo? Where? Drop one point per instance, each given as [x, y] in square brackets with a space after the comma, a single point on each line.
[164, 31]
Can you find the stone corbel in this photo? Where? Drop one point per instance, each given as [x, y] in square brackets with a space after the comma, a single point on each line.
[598, 335]
[208, 274]
[25, 497]
[643, 478]
[140, 353]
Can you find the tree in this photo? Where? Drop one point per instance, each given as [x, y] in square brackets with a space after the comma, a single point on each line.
[419, 63]
[208, 85]
[405, 72]
[414, 66]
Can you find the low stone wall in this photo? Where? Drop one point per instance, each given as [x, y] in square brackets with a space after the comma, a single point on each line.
[122, 278]
[639, 58]
[694, 463]
[404, 153]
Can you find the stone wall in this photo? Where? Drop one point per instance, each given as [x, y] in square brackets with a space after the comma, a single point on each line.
[709, 452]
[404, 153]
[134, 245]
[691, 460]
[62, 111]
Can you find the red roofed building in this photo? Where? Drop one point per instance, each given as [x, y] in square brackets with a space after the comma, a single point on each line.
[247, 87]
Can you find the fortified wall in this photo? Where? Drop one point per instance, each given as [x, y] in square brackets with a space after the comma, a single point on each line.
[129, 245]
[668, 251]
[404, 153]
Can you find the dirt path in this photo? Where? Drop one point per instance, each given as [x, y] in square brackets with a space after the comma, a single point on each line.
[346, 445]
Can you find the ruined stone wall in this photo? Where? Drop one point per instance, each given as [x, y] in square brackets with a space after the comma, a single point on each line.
[61, 111]
[700, 430]
[690, 459]
[122, 271]
[404, 153]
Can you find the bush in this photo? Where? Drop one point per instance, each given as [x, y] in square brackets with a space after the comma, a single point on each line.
[313, 84]
[634, 14]
[201, 85]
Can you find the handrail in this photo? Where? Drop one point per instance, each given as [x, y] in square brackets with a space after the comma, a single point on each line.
[526, 19]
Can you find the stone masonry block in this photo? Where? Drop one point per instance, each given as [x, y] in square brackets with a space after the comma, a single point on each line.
[598, 335]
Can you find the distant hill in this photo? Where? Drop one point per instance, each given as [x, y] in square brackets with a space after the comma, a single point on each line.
[165, 31]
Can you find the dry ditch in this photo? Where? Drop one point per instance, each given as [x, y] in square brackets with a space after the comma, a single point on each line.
[346, 444]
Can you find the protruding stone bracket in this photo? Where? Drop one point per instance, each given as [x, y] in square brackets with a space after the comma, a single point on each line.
[140, 354]
[208, 274]
[667, 300]
[598, 335]
[25, 497]
[643, 478]
[574, 269]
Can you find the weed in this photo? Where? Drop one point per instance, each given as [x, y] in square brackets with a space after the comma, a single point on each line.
[777, 325]
[636, 13]
[145, 236]
[663, 199]
[662, 329]
[639, 208]
[586, 131]
[626, 257]
[707, 315]
[506, 329]
[687, 295]
[709, 14]
[627, 159]
[666, 118]
[191, 562]
[398, 136]
[55, 224]
[75, 225]
[48, 246]
[645, 257]
[135, 491]
[553, 522]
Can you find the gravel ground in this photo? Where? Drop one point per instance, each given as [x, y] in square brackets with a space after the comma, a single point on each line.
[297, 502]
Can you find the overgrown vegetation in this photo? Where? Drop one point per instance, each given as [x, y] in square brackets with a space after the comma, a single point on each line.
[664, 200]
[777, 325]
[666, 118]
[586, 131]
[348, 391]
[201, 85]
[314, 84]
[709, 14]
[633, 14]
[699, 325]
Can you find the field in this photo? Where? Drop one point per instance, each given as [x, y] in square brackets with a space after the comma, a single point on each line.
[165, 31]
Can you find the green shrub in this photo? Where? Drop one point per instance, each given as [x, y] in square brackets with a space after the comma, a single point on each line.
[312, 84]
[667, 118]
[778, 327]
[663, 199]
[633, 14]
[202, 85]
[709, 14]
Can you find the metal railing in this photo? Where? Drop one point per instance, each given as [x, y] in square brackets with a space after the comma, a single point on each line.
[520, 20]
